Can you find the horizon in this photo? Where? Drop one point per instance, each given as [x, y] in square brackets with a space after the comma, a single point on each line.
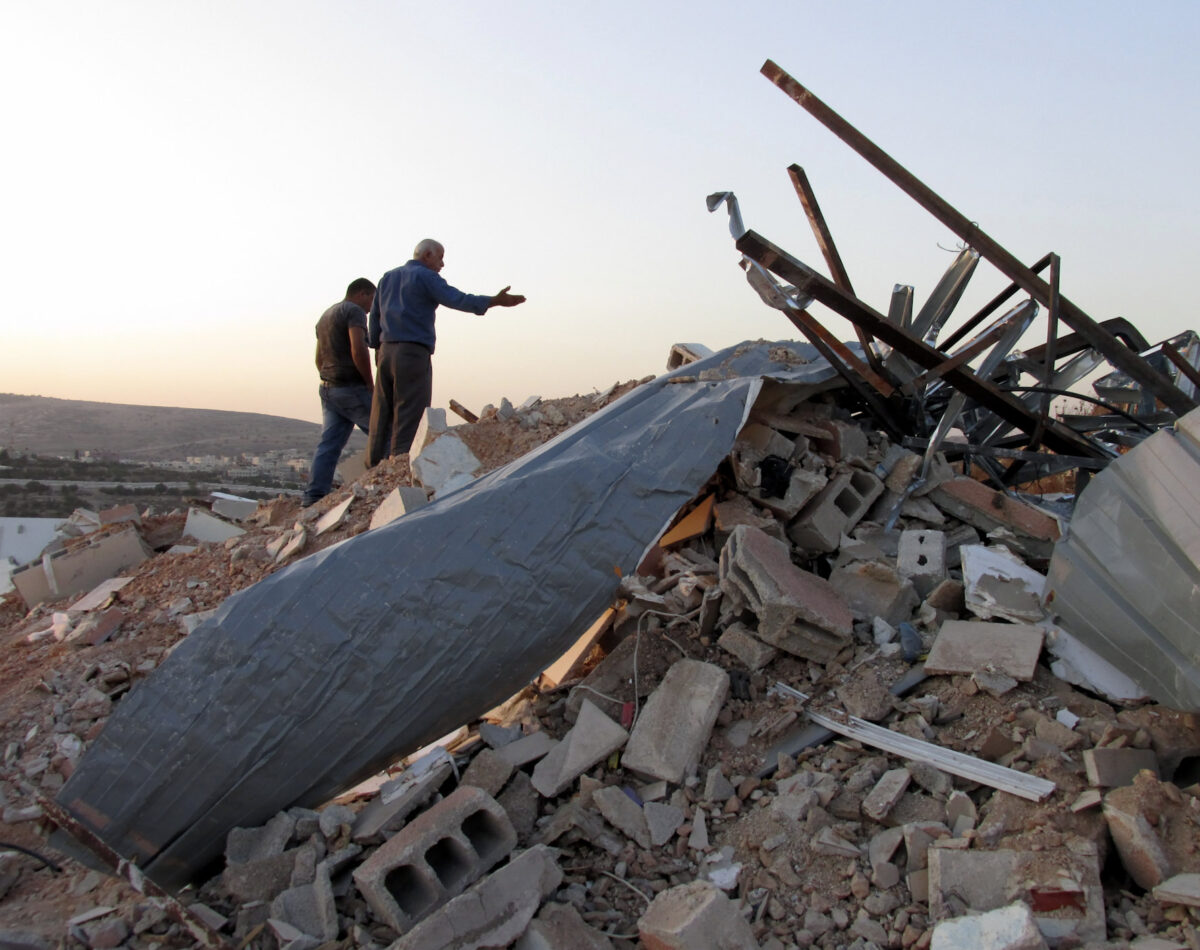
[199, 184]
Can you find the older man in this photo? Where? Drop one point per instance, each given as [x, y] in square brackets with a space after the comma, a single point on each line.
[344, 365]
[402, 327]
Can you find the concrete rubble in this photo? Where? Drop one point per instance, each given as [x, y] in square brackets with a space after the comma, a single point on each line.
[661, 795]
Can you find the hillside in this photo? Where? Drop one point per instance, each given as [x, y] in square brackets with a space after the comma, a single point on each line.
[58, 426]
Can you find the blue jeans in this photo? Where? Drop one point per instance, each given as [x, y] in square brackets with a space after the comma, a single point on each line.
[342, 408]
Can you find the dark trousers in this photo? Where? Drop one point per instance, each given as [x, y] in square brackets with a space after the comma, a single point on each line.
[403, 390]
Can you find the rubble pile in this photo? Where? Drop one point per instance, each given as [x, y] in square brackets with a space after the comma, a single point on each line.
[829, 709]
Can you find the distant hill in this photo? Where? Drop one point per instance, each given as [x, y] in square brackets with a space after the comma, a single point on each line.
[61, 426]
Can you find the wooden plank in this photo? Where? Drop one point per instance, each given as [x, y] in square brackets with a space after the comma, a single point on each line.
[462, 411]
[692, 525]
[560, 670]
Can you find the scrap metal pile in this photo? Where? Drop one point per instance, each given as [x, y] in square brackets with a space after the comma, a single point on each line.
[917, 380]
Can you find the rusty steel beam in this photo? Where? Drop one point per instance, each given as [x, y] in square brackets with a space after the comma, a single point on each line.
[200, 928]
[833, 260]
[970, 232]
[853, 370]
[1003, 404]
[805, 321]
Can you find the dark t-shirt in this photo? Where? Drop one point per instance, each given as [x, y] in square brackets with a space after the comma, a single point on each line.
[334, 362]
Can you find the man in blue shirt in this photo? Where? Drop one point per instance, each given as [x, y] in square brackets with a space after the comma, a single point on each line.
[344, 364]
[401, 326]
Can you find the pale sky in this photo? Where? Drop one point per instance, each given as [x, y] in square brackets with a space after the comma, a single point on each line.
[186, 186]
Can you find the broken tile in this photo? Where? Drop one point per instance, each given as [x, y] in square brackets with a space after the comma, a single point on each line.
[969, 646]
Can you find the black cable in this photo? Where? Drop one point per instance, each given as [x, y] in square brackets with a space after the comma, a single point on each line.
[1098, 402]
[33, 854]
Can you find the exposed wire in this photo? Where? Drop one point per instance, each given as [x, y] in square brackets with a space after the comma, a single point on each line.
[33, 854]
[1098, 402]
[621, 880]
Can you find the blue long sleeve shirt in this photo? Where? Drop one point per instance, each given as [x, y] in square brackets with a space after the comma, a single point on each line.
[406, 302]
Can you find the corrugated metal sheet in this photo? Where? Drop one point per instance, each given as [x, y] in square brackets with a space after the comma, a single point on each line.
[1126, 579]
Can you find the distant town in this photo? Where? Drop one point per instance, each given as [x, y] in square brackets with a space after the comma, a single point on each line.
[42, 485]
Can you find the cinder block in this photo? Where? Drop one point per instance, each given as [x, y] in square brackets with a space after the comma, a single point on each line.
[836, 509]
[694, 916]
[797, 611]
[673, 729]
[922, 559]
[435, 857]
[496, 911]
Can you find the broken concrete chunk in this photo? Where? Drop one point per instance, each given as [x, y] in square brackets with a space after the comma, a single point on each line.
[970, 646]
[742, 644]
[446, 458]
[334, 516]
[400, 501]
[875, 589]
[243, 845]
[985, 882]
[999, 585]
[205, 526]
[797, 611]
[886, 793]
[309, 908]
[695, 916]
[662, 820]
[527, 749]
[489, 770]
[1006, 928]
[559, 927]
[401, 796]
[623, 813]
[670, 735]
[592, 739]
[1108, 767]
[1180, 889]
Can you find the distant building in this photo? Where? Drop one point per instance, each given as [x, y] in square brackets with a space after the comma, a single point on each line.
[22, 541]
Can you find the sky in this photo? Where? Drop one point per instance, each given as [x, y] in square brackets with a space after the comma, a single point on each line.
[186, 186]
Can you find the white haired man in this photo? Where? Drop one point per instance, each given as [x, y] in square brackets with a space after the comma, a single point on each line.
[401, 326]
